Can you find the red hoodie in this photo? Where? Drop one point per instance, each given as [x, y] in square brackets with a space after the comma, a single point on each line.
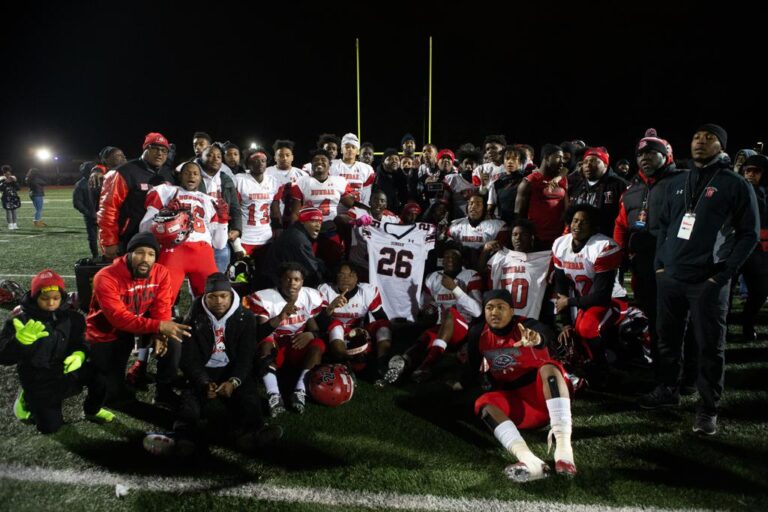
[122, 303]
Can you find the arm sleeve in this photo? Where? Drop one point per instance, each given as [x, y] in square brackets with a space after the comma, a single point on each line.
[599, 294]
[162, 306]
[468, 300]
[235, 211]
[113, 194]
[746, 224]
[562, 283]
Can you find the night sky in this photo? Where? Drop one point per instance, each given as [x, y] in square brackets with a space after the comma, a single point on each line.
[77, 78]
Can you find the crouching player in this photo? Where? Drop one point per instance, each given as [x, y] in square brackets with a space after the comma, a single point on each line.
[530, 386]
[45, 338]
[287, 318]
[349, 305]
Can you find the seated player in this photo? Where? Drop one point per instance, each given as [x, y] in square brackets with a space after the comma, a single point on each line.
[456, 294]
[474, 231]
[44, 337]
[287, 316]
[530, 387]
[350, 305]
[207, 223]
[586, 263]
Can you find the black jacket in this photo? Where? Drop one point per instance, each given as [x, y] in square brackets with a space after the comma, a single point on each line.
[83, 198]
[293, 244]
[725, 231]
[35, 184]
[229, 193]
[604, 195]
[506, 195]
[394, 186]
[240, 339]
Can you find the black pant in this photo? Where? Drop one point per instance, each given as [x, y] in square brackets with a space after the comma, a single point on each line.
[707, 305]
[110, 359]
[755, 272]
[92, 228]
[244, 405]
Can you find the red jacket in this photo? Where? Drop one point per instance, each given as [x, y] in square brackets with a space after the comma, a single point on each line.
[122, 303]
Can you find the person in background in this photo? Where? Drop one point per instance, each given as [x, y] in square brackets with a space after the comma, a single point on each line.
[9, 188]
[36, 184]
[83, 201]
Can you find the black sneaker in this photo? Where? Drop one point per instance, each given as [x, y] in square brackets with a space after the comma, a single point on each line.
[662, 396]
[705, 424]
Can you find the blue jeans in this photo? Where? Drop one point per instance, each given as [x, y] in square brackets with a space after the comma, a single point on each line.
[221, 256]
[37, 202]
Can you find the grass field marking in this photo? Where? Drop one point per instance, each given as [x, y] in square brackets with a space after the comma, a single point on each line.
[30, 275]
[285, 494]
[17, 237]
[49, 201]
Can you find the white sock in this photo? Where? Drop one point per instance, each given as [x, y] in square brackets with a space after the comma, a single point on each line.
[300, 383]
[561, 423]
[510, 438]
[143, 354]
[270, 382]
[507, 434]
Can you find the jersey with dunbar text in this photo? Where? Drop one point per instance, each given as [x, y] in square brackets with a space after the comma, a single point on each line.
[475, 237]
[325, 195]
[270, 302]
[199, 204]
[494, 171]
[355, 312]
[397, 254]
[284, 180]
[256, 201]
[360, 177]
[599, 254]
[524, 275]
[468, 305]
[461, 190]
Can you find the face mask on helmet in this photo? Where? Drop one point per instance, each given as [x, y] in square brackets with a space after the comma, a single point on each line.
[171, 227]
[331, 385]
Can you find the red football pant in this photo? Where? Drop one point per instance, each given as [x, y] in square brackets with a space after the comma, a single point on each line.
[193, 259]
[256, 252]
[460, 329]
[293, 356]
[590, 323]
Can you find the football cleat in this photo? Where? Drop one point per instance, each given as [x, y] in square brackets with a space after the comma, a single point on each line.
[137, 375]
[395, 369]
[20, 408]
[158, 443]
[102, 416]
[565, 468]
[519, 472]
[276, 405]
[299, 400]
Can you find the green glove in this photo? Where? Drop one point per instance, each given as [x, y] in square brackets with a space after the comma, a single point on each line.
[74, 361]
[29, 333]
[241, 278]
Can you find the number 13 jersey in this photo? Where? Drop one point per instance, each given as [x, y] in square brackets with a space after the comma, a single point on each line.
[397, 255]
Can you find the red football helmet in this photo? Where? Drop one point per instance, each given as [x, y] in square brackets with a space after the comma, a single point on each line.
[358, 347]
[11, 293]
[171, 227]
[331, 385]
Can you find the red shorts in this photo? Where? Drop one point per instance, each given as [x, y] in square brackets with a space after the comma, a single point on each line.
[591, 323]
[193, 259]
[460, 329]
[256, 252]
[526, 405]
[286, 352]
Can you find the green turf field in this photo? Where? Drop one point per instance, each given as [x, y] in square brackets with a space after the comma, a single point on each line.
[407, 447]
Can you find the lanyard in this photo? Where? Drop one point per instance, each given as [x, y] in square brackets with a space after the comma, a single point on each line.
[689, 188]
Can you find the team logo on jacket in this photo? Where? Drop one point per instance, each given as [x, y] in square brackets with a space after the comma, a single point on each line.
[608, 197]
[144, 186]
[709, 191]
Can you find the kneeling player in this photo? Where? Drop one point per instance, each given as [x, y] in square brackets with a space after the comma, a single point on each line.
[349, 305]
[530, 387]
[287, 315]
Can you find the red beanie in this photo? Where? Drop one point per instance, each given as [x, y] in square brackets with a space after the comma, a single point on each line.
[155, 139]
[446, 152]
[310, 213]
[46, 280]
[600, 153]
[411, 208]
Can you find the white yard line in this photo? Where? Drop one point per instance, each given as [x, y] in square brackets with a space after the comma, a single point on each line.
[30, 275]
[309, 495]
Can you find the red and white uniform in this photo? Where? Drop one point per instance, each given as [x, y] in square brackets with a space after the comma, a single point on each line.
[325, 195]
[546, 205]
[475, 237]
[194, 256]
[495, 172]
[360, 177]
[524, 275]
[397, 255]
[361, 307]
[268, 304]
[461, 190]
[256, 201]
[358, 253]
[463, 303]
[284, 180]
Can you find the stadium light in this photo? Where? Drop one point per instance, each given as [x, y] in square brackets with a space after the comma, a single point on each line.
[43, 154]
[254, 145]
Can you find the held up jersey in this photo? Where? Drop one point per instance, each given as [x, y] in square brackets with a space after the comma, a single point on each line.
[325, 195]
[358, 253]
[270, 302]
[524, 275]
[599, 254]
[355, 312]
[397, 255]
[256, 201]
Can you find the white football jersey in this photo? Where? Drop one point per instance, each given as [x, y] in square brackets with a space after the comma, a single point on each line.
[199, 204]
[256, 204]
[270, 302]
[325, 195]
[524, 275]
[475, 237]
[599, 254]
[495, 172]
[469, 305]
[397, 254]
[460, 190]
[355, 311]
[360, 177]
[358, 253]
[284, 178]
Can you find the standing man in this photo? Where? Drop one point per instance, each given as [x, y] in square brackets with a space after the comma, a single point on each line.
[391, 181]
[358, 173]
[124, 192]
[598, 188]
[707, 229]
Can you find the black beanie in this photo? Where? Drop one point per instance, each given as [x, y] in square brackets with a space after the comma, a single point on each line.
[229, 145]
[217, 282]
[651, 144]
[105, 152]
[549, 149]
[406, 137]
[717, 131]
[759, 161]
[389, 152]
[497, 294]
[143, 240]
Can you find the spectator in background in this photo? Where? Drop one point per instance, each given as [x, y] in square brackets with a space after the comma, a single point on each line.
[87, 204]
[367, 153]
[36, 185]
[110, 158]
[9, 188]
[408, 145]
[622, 169]
[391, 181]
[598, 188]
[502, 192]
[740, 158]
[755, 269]
[232, 157]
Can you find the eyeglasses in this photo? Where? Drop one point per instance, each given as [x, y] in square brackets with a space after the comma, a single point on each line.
[160, 149]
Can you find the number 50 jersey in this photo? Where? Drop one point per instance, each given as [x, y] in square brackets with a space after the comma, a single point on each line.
[397, 255]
